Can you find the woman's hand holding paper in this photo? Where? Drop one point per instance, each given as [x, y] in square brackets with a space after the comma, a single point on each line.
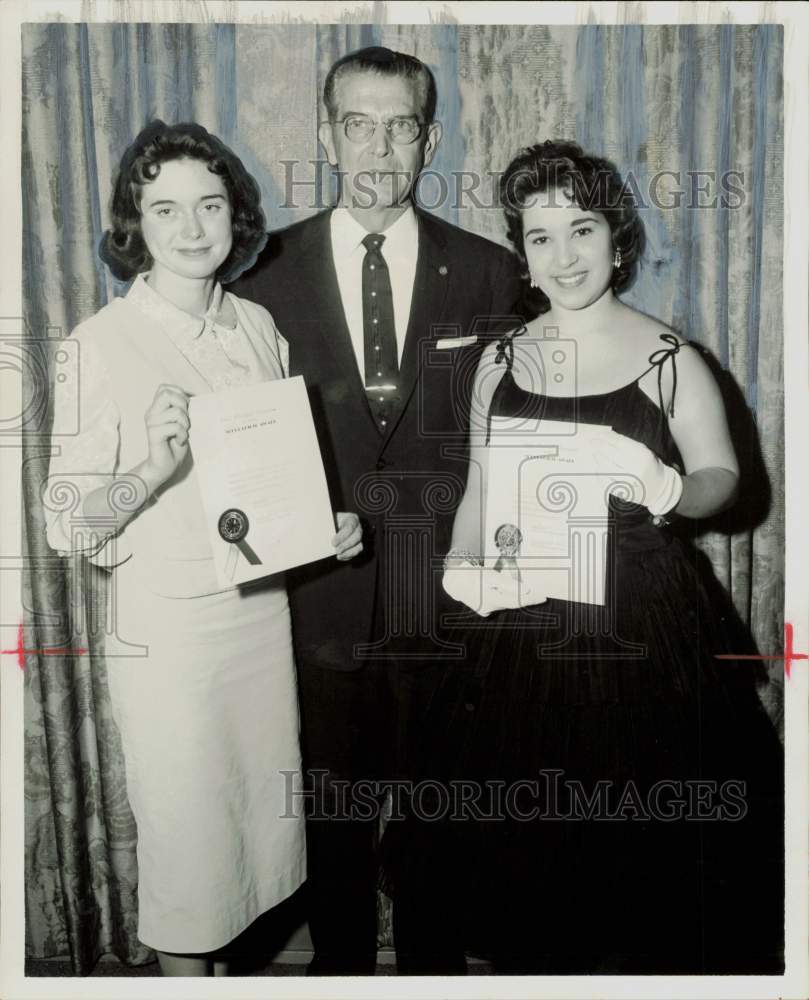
[662, 484]
[485, 590]
[167, 426]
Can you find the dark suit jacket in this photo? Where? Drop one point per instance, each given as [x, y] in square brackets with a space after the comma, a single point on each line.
[406, 484]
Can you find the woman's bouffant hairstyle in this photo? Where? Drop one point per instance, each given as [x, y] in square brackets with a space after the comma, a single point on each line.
[123, 248]
[592, 182]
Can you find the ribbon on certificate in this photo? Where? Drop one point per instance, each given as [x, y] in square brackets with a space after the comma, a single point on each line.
[507, 538]
[233, 527]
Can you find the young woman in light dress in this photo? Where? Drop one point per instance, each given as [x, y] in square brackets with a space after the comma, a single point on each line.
[207, 710]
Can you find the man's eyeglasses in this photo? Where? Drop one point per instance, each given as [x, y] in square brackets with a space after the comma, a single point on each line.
[402, 129]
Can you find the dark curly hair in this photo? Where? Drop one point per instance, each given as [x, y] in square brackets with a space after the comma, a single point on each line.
[592, 182]
[123, 248]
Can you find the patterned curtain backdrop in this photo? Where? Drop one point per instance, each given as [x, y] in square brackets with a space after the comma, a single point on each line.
[692, 113]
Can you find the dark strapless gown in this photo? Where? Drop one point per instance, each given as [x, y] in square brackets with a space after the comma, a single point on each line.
[638, 779]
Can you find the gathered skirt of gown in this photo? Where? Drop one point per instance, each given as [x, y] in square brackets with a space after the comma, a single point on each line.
[209, 727]
[598, 792]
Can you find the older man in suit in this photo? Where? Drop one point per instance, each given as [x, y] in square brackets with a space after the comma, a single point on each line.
[386, 309]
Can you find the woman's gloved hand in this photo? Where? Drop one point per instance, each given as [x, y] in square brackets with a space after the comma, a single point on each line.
[484, 590]
[661, 485]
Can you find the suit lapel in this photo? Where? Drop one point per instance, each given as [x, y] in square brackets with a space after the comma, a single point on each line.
[325, 306]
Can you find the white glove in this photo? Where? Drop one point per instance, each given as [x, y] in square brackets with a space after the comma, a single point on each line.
[483, 590]
[662, 486]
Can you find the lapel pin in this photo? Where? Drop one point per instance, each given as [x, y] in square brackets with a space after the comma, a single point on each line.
[443, 270]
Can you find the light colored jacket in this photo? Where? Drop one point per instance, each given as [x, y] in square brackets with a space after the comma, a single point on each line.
[125, 352]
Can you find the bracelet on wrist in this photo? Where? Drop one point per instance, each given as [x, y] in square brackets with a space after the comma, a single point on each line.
[462, 555]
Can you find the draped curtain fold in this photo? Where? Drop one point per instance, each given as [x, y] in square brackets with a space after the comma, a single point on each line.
[692, 113]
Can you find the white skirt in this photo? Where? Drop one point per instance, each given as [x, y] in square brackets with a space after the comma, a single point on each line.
[209, 726]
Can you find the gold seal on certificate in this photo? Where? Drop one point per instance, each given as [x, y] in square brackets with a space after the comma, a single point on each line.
[262, 481]
[233, 527]
[507, 538]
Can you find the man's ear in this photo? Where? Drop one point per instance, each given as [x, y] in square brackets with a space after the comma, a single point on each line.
[324, 134]
[434, 133]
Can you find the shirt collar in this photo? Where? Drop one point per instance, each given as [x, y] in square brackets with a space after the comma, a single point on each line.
[347, 234]
[178, 324]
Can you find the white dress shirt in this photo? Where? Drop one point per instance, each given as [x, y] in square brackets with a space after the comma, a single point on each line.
[400, 251]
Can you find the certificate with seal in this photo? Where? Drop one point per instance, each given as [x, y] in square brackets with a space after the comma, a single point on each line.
[262, 481]
[547, 508]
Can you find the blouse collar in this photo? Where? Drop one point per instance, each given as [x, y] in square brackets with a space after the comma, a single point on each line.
[178, 324]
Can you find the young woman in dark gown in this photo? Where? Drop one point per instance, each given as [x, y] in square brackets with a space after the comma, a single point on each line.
[609, 794]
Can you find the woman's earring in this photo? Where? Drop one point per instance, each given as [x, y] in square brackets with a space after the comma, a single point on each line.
[533, 283]
[616, 260]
